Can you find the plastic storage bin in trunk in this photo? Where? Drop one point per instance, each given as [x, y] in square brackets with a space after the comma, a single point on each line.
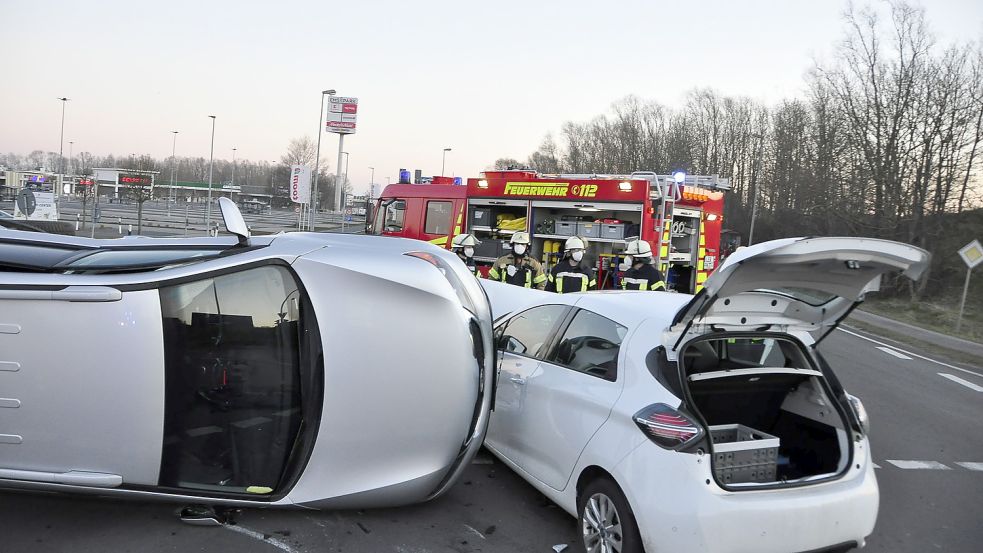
[743, 454]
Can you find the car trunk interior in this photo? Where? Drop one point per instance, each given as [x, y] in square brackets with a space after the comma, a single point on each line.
[769, 414]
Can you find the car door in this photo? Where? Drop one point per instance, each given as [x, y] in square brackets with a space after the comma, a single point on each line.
[569, 397]
[82, 385]
[521, 340]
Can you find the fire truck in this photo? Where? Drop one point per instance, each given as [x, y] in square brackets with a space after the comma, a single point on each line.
[679, 215]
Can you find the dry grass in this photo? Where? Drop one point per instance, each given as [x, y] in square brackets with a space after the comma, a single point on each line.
[937, 316]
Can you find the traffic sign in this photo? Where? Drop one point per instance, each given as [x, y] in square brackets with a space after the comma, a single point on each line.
[972, 254]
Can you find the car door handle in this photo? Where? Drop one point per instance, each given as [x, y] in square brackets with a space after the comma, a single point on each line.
[518, 380]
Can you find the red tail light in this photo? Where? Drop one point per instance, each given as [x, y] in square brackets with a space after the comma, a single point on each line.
[668, 427]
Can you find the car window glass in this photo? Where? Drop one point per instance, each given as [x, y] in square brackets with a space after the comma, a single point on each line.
[394, 216]
[438, 218]
[232, 402]
[526, 333]
[755, 352]
[590, 345]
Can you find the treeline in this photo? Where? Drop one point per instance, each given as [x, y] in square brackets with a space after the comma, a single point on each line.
[885, 143]
[262, 177]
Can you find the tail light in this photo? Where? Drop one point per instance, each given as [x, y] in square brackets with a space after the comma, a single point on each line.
[668, 427]
[451, 276]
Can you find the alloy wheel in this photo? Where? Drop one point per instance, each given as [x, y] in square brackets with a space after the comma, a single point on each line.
[601, 525]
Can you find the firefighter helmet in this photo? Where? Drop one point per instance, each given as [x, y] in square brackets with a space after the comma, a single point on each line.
[462, 240]
[639, 249]
[520, 238]
[575, 243]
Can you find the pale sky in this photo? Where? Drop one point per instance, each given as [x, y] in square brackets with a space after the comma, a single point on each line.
[486, 79]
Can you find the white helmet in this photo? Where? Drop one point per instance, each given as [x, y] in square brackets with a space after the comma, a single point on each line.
[575, 243]
[639, 249]
[520, 238]
[462, 240]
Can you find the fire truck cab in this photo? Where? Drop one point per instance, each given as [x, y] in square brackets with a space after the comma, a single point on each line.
[679, 215]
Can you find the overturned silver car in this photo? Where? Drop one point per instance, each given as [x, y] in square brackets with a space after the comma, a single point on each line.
[294, 369]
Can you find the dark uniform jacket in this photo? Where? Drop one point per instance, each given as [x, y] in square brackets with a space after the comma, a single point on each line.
[528, 271]
[646, 277]
[564, 278]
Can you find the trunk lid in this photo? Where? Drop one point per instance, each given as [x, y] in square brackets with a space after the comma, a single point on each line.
[795, 284]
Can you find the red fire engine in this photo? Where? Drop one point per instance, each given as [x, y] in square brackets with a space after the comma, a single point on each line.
[679, 215]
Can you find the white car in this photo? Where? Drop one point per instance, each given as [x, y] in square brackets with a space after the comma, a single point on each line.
[708, 423]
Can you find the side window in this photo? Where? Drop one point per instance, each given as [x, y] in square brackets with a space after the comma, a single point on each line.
[526, 333]
[590, 345]
[394, 216]
[232, 400]
[438, 218]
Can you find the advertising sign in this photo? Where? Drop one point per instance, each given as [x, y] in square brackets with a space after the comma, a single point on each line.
[342, 114]
[300, 184]
[35, 206]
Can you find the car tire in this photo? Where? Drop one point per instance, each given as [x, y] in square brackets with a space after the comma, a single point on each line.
[603, 501]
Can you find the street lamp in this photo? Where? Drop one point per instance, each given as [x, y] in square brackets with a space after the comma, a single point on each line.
[317, 161]
[61, 140]
[232, 190]
[211, 159]
[443, 160]
[172, 196]
[372, 182]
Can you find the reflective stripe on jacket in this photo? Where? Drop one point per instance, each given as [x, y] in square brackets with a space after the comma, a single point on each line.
[563, 278]
[646, 277]
[528, 272]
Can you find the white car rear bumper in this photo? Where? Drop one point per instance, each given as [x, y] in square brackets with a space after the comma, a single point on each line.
[677, 510]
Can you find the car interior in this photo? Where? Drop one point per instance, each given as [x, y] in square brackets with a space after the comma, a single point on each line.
[792, 406]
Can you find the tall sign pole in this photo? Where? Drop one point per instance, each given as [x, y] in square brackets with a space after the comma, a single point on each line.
[342, 114]
[972, 255]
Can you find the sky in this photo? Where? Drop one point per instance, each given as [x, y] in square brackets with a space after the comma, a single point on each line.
[488, 79]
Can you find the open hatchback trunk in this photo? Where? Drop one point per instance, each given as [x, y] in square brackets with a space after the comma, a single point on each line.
[743, 348]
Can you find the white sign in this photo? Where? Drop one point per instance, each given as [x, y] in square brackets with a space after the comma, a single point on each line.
[300, 184]
[972, 254]
[43, 208]
[342, 114]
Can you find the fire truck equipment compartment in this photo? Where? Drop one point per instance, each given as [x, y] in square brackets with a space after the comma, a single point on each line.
[566, 228]
[589, 230]
[613, 231]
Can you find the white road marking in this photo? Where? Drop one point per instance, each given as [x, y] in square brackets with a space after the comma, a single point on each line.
[965, 383]
[251, 422]
[260, 536]
[890, 351]
[876, 466]
[927, 465]
[953, 367]
[480, 535]
[203, 431]
[971, 466]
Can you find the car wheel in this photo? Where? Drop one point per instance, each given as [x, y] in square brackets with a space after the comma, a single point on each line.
[607, 524]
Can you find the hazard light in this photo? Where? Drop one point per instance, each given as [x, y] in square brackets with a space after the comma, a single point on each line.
[482, 183]
[624, 186]
[679, 177]
[712, 217]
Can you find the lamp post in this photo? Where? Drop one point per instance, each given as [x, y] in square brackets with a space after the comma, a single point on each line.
[171, 197]
[61, 141]
[211, 159]
[317, 160]
[372, 182]
[232, 190]
[443, 160]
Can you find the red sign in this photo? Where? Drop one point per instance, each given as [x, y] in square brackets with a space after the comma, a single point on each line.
[340, 125]
[349, 108]
[86, 182]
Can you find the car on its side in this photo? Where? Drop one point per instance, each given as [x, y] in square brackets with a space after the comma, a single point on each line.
[321, 370]
[706, 423]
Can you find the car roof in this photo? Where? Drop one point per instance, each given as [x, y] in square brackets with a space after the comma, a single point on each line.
[631, 307]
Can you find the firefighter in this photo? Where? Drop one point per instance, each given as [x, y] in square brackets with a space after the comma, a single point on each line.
[571, 274]
[519, 267]
[640, 271]
[463, 245]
